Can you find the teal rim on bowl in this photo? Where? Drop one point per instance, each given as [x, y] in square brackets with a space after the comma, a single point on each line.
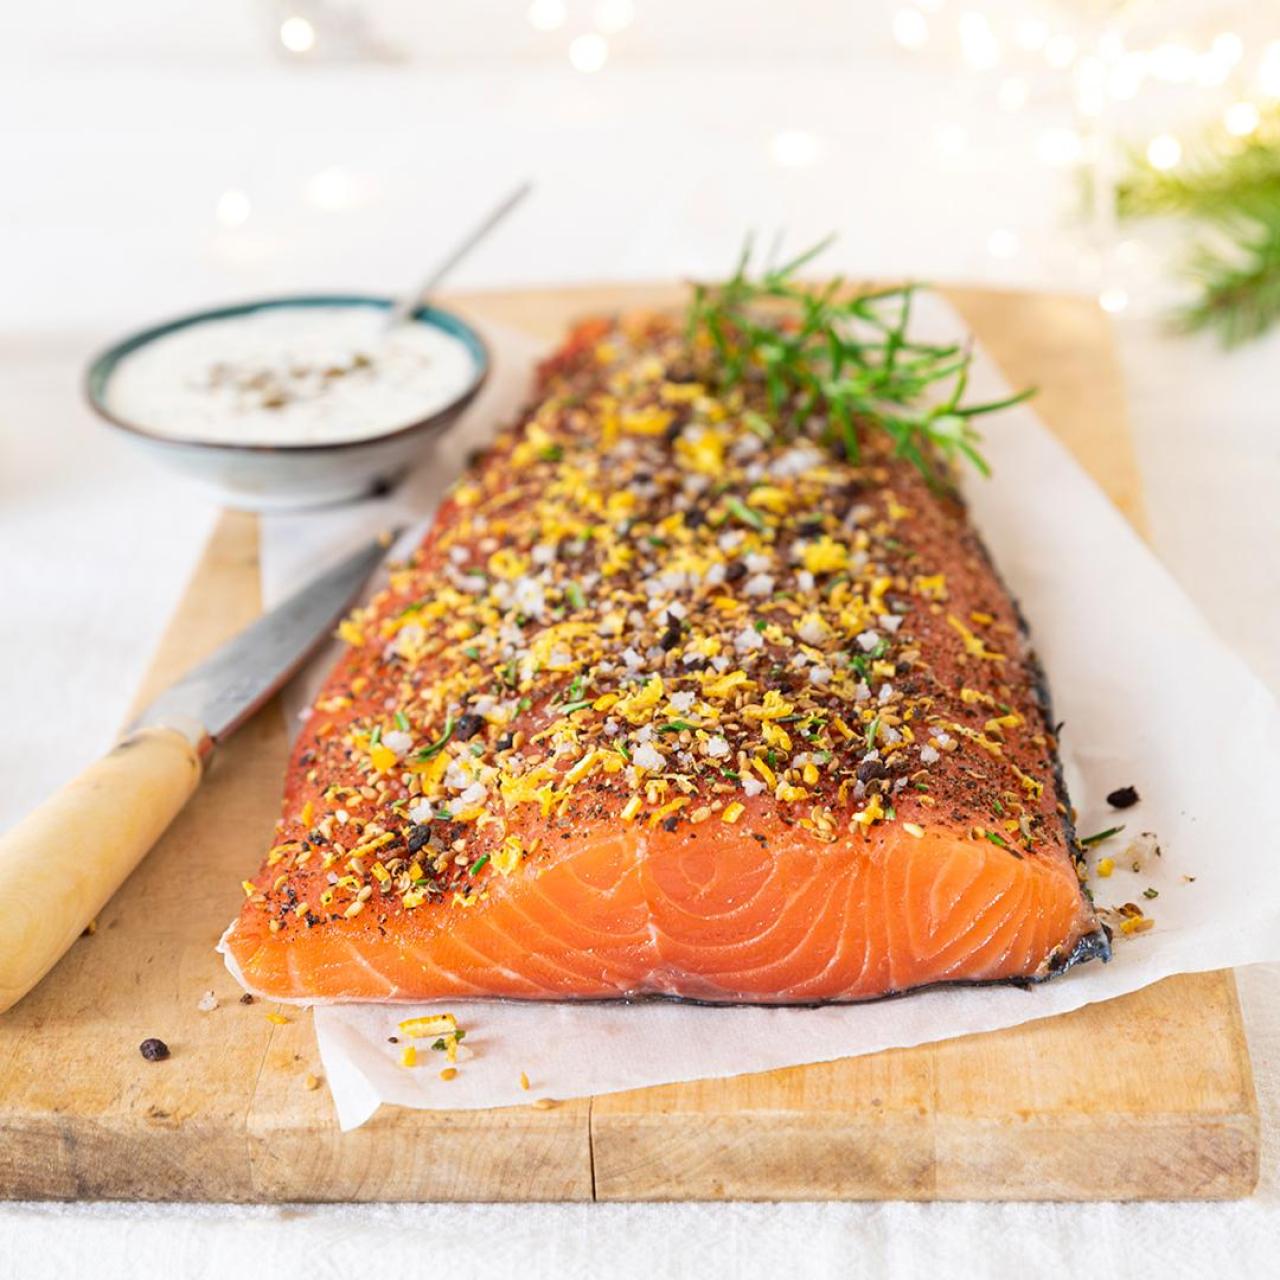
[103, 366]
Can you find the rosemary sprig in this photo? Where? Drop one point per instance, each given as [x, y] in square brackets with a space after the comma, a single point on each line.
[832, 364]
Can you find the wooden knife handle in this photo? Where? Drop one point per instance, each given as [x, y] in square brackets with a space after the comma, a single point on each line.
[60, 865]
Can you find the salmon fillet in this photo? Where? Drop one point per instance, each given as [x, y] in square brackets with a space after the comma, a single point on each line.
[660, 707]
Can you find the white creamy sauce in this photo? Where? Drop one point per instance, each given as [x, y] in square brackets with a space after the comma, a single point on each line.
[290, 375]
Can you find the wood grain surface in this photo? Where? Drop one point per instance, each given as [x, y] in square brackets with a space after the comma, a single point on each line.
[1145, 1097]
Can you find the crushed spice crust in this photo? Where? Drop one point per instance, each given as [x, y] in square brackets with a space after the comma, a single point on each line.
[641, 605]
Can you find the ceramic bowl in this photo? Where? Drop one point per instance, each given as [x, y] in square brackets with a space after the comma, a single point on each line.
[258, 477]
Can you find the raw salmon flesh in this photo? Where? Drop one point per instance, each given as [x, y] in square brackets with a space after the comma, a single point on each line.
[661, 707]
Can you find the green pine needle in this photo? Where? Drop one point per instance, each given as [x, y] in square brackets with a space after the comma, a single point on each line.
[1231, 191]
[1239, 285]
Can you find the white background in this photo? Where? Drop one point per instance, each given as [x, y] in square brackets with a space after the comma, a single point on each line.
[122, 127]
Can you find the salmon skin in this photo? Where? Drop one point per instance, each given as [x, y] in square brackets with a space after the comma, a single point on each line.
[661, 707]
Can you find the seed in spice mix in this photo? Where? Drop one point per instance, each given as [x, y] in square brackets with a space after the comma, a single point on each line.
[154, 1050]
[1123, 798]
[601, 642]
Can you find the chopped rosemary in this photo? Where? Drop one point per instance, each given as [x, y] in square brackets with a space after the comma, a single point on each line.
[744, 513]
[478, 863]
[1087, 841]
[402, 722]
[429, 752]
[676, 726]
[834, 364]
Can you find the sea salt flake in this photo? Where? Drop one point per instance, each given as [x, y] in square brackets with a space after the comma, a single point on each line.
[648, 757]
[474, 794]
[812, 630]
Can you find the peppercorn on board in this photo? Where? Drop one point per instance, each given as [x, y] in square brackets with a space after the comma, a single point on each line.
[672, 701]
[1147, 1096]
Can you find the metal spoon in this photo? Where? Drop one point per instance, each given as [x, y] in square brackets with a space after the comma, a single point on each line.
[411, 302]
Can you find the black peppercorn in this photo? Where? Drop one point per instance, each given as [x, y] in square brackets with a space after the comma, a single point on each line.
[469, 724]
[870, 770]
[154, 1050]
[1123, 798]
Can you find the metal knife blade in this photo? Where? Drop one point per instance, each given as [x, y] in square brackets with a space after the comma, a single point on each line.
[214, 699]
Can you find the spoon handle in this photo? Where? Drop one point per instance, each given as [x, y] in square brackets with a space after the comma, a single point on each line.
[410, 303]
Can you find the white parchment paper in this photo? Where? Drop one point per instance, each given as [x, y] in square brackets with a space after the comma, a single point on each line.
[1149, 695]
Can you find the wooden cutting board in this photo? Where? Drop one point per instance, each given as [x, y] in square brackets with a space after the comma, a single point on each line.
[1150, 1096]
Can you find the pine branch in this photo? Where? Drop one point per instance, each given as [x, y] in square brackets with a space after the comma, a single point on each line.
[1239, 285]
[1207, 184]
[1235, 195]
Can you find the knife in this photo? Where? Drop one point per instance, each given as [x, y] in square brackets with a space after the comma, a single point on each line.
[60, 865]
